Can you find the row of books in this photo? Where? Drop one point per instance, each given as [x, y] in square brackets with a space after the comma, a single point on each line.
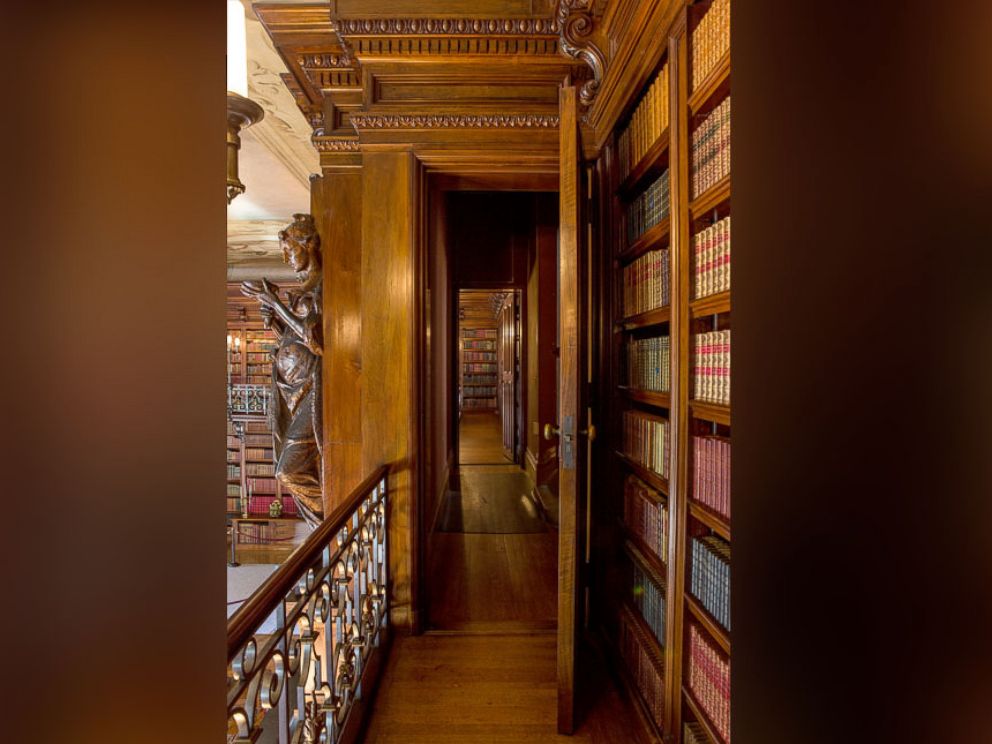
[648, 209]
[479, 368]
[649, 120]
[479, 379]
[709, 681]
[233, 505]
[647, 440]
[649, 362]
[233, 472]
[488, 345]
[645, 513]
[647, 283]
[233, 456]
[711, 367]
[650, 684]
[257, 427]
[649, 599]
[710, 156]
[260, 469]
[478, 402]
[233, 442]
[478, 333]
[257, 356]
[710, 40]
[233, 489]
[694, 733]
[710, 577]
[261, 485]
[258, 454]
[472, 391]
[479, 356]
[252, 533]
[711, 473]
[711, 254]
[259, 504]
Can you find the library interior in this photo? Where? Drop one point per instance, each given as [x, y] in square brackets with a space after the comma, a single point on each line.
[478, 371]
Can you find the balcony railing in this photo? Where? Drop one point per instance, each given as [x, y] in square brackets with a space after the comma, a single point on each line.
[248, 399]
[298, 650]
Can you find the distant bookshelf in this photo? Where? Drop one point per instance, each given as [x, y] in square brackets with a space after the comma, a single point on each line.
[478, 368]
[251, 483]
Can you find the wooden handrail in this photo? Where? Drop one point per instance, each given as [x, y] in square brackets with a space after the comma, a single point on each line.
[244, 623]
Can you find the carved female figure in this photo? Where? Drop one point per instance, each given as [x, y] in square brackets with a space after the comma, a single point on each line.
[296, 410]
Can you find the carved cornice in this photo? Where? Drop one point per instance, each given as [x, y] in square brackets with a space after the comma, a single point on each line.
[454, 121]
[327, 144]
[368, 37]
[323, 61]
[575, 18]
[447, 26]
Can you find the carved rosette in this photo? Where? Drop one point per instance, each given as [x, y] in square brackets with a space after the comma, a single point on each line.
[455, 121]
[576, 24]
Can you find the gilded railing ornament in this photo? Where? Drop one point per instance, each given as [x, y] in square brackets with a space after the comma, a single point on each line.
[575, 21]
[304, 675]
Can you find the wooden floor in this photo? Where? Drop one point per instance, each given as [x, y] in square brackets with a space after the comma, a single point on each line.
[492, 581]
[490, 689]
[480, 440]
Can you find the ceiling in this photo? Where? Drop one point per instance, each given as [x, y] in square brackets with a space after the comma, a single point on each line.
[275, 162]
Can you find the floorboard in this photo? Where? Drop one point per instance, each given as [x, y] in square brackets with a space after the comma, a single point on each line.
[480, 439]
[492, 689]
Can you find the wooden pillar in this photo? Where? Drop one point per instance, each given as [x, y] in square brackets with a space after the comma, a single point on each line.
[336, 203]
[389, 321]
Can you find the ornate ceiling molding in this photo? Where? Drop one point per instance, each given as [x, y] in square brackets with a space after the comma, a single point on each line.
[454, 121]
[576, 40]
[370, 37]
[328, 144]
[447, 26]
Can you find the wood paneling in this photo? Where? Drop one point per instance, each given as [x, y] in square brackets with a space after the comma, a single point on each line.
[388, 357]
[337, 207]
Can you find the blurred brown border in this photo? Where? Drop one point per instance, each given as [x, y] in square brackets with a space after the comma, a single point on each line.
[114, 271]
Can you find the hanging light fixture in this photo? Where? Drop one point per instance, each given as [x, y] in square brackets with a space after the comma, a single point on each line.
[242, 112]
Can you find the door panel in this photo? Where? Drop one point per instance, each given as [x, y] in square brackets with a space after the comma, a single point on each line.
[571, 456]
[508, 361]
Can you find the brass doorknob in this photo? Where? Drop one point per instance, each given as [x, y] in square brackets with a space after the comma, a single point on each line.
[550, 431]
[590, 432]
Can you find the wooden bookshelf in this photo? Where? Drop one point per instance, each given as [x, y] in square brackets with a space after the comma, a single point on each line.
[648, 476]
[711, 519]
[478, 386]
[653, 238]
[653, 162]
[713, 304]
[710, 412]
[694, 113]
[250, 364]
[646, 319]
[661, 400]
[702, 617]
[698, 715]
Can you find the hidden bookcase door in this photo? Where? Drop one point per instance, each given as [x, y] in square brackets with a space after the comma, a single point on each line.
[665, 186]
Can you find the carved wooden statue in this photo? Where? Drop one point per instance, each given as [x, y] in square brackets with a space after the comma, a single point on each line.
[296, 409]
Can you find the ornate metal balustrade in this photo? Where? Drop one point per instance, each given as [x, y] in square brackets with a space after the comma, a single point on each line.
[298, 651]
[248, 399]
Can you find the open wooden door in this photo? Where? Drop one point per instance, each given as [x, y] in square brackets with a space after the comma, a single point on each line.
[571, 456]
